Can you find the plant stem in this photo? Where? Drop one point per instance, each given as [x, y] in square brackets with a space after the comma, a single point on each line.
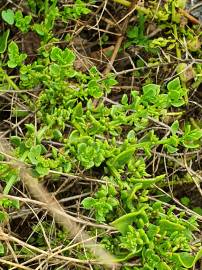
[178, 51]
[123, 2]
[46, 7]
[8, 79]
[9, 184]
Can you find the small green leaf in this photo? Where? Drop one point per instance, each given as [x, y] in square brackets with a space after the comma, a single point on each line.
[195, 134]
[15, 58]
[150, 92]
[174, 85]
[69, 57]
[21, 22]
[55, 70]
[125, 256]
[65, 57]
[88, 203]
[94, 89]
[34, 153]
[163, 266]
[181, 3]
[174, 127]
[191, 137]
[10, 181]
[16, 204]
[124, 99]
[187, 260]
[131, 135]
[15, 140]
[4, 40]
[185, 201]
[55, 53]
[30, 128]
[123, 158]
[57, 134]
[122, 224]
[41, 170]
[74, 136]
[8, 16]
[171, 149]
[133, 33]
[169, 226]
[78, 111]
[109, 82]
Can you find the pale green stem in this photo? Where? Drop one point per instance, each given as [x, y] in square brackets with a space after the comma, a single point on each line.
[9, 185]
[8, 79]
[178, 51]
[123, 2]
[46, 7]
[174, 113]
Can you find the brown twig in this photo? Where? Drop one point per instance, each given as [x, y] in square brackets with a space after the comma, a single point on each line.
[120, 39]
[189, 16]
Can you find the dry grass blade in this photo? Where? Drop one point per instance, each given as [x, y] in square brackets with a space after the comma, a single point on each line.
[55, 209]
[16, 265]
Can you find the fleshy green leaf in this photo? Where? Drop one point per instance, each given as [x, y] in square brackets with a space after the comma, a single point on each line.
[163, 266]
[187, 260]
[94, 89]
[150, 92]
[4, 40]
[123, 158]
[8, 16]
[175, 127]
[88, 203]
[174, 85]
[125, 221]
[78, 111]
[148, 182]
[169, 226]
[41, 170]
[15, 58]
[34, 153]
[15, 140]
[65, 57]
[30, 128]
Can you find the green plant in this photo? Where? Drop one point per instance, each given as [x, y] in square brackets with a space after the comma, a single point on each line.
[160, 237]
[15, 57]
[136, 35]
[131, 141]
[44, 28]
[8, 16]
[176, 93]
[22, 23]
[103, 203]
[76, 10]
